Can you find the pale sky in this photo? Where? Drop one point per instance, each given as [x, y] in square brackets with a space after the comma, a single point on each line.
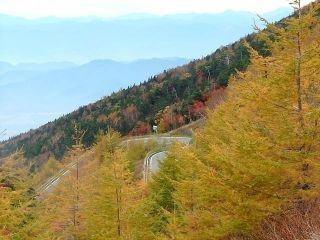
[110, 8]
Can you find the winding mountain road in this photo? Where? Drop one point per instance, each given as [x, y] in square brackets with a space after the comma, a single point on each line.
[151, 163]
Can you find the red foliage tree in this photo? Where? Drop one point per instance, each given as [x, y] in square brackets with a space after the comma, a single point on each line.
[197, 109]
[142, 128]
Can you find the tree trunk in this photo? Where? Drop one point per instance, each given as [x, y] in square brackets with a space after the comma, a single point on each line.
[298, 70]
[118, 196]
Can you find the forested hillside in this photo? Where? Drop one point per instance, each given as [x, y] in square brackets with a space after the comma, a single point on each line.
[252, 173]
[259, 153]
[170, 100]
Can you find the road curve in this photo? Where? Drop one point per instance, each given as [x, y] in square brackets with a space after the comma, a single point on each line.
[152, 160]
[50, 184]
[155, 160]
[151, 164]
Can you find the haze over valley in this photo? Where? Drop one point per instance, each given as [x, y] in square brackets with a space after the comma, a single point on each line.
[50, 66]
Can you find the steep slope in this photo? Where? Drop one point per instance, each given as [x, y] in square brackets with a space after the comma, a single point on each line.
[170, 100]
[253, 171]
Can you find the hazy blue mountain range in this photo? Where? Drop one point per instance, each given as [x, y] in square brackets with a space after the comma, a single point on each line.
[31, 67]
[33, 94]
[50, 84]
[122, 38]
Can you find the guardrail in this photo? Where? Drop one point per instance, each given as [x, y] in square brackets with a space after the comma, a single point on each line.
[55, 179]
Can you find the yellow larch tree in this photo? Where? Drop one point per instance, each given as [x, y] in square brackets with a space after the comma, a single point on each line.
[260, 148]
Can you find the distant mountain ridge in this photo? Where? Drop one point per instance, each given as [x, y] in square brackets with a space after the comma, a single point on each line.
[36, 67]
[56, 88]
[9, 19]
[122, 38]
